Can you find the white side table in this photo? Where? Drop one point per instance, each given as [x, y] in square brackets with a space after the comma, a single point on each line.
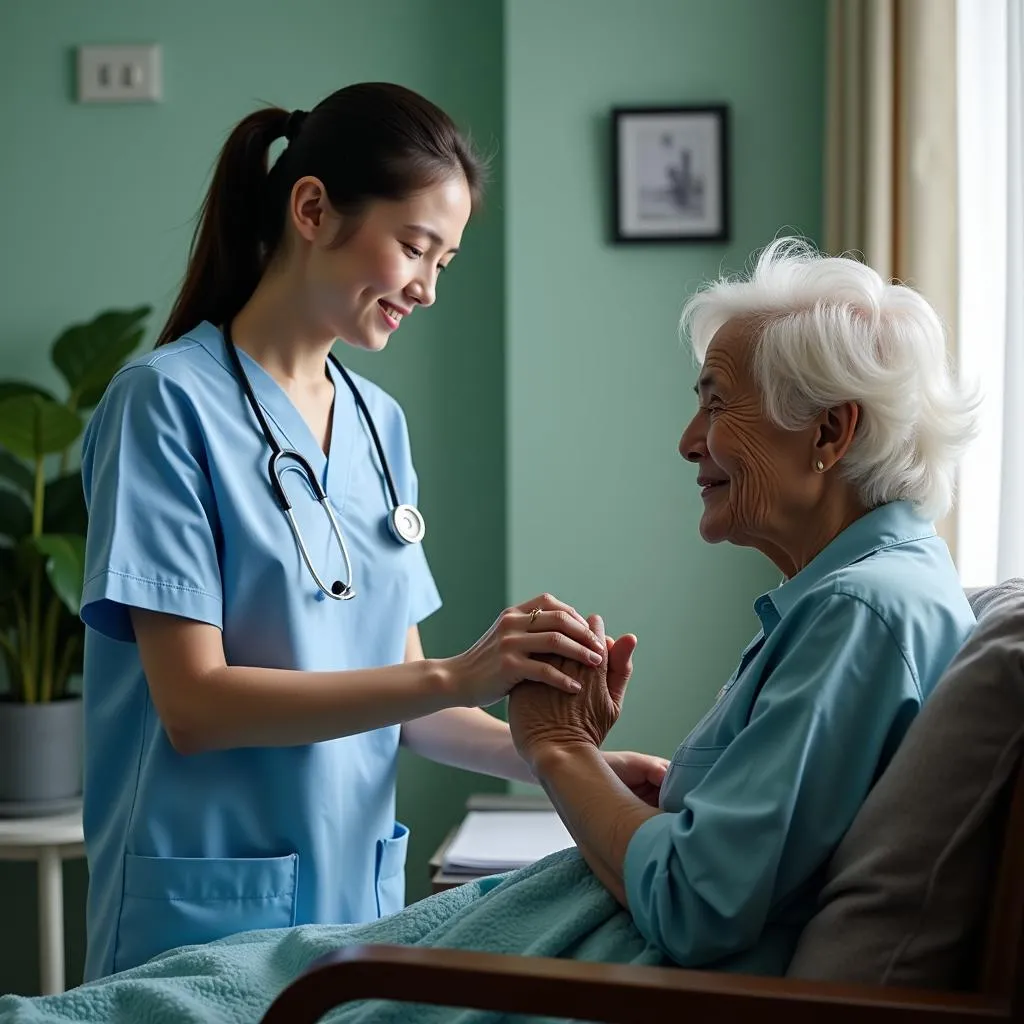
[49, 842]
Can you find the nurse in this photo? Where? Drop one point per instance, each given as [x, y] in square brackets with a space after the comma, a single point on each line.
[252, 654]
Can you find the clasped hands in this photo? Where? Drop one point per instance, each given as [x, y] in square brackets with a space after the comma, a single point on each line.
[542, 717]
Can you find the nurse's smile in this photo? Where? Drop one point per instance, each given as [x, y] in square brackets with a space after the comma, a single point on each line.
[392, 314]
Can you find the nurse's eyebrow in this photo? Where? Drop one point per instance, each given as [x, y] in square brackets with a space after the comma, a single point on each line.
[431, 234]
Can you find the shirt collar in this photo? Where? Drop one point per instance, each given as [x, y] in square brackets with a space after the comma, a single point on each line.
[893, 523]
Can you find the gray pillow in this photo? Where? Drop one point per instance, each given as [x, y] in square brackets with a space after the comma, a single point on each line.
[907, 892]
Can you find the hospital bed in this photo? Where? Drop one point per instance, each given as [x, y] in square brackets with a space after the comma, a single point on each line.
[619, 994]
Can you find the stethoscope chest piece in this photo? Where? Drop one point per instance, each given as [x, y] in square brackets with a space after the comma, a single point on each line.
[407, 524]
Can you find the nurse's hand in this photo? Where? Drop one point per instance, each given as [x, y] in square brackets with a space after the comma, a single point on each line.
[505, 655]
[539, 716]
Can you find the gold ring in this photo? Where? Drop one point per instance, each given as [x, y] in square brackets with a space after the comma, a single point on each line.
[533, 615]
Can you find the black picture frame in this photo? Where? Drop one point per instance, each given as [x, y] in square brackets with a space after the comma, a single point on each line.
[670, 174]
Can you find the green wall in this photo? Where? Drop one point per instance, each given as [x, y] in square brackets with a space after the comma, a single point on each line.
[602, 510]
[546, 390]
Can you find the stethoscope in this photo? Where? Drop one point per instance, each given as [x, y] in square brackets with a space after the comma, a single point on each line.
[405, 522]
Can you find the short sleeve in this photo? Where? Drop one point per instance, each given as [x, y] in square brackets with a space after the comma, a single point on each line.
[424, 597]
[702, 882]
[152, 538]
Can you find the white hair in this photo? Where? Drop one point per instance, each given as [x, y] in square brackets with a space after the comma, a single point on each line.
[829, 330]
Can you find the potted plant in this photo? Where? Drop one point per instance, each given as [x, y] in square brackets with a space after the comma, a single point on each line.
[42, 559]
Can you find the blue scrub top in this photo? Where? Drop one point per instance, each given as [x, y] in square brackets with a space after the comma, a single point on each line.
[760, 793]
[182, 519]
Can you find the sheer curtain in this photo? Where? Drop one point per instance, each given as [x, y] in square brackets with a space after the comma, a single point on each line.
[891, 147]
[990, 321]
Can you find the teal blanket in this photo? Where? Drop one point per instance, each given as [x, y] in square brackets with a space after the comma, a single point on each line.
[555, 908]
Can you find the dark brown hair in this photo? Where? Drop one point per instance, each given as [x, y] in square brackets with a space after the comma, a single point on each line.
[369, 141]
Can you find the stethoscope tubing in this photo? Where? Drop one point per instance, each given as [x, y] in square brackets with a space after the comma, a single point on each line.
[339, 590]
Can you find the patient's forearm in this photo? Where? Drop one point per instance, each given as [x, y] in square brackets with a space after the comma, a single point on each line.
[600, 813]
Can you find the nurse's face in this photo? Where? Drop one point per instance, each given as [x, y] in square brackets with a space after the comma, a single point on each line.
[364, 289]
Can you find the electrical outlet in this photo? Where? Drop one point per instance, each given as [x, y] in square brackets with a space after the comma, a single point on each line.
[119, 74]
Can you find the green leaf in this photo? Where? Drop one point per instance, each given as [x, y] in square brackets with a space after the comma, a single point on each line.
[64, 505]
[65, 566]
[16, 472]
[88, 355]
[31, 426]
[92, 390]
[15, 516]
[14, 388]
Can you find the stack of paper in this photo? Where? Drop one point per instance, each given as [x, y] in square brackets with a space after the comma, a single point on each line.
[494, 841]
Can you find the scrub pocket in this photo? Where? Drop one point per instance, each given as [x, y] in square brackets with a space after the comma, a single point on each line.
[180, 901]
[391, 871]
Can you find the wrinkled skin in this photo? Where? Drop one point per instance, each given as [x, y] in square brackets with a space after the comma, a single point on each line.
[761, 484]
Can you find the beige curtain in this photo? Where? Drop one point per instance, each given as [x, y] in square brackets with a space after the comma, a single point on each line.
[891, 143]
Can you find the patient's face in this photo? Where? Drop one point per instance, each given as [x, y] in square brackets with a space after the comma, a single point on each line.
[754, 476]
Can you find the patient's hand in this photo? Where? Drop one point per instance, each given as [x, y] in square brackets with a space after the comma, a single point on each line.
[539, 719]
[641, 774]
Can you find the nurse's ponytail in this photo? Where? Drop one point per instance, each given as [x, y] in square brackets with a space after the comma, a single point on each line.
[226, 258]
[363, 142]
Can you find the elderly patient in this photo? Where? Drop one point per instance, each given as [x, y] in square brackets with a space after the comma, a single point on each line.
[826, 436]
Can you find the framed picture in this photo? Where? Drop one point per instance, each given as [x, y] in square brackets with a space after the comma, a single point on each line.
[671, 174]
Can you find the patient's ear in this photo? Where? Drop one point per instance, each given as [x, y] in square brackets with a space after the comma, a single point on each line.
[834, 435]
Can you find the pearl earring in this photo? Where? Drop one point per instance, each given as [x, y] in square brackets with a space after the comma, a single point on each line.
[820, 466]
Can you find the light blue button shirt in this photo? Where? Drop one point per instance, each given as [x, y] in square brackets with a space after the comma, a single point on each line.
[182, 520]
[762, 790]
